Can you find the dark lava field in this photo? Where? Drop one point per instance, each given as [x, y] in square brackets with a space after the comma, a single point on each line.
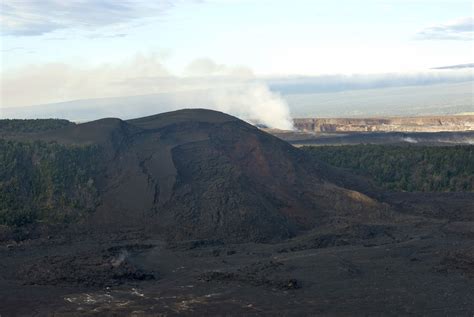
[197, 213]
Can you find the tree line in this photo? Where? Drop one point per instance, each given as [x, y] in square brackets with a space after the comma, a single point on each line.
[405, 167]
[32, 125]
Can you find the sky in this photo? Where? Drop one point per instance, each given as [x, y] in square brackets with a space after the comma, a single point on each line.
[61, 50]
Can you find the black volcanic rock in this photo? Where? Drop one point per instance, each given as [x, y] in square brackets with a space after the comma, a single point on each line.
[201, 174]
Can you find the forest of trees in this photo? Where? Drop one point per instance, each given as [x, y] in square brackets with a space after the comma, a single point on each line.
[47, 182]
[405, 168]
[33, 125]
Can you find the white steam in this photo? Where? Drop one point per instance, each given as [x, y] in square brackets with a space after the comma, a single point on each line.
[234, 90]
[118, 260]
[410, 140]
[255, 103]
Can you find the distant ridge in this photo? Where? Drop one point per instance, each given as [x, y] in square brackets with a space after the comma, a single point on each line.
[388, 124]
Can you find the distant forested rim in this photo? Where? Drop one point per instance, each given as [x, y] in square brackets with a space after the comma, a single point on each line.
[33, 125]
[46, 182]
[405, 168]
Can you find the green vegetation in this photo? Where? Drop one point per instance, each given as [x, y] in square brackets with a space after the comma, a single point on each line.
[46, 182]
[405, 168]
[34, 125]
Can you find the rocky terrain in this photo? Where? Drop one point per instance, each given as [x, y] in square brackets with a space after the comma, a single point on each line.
[419, 262]
[389, 124]
[198, 213]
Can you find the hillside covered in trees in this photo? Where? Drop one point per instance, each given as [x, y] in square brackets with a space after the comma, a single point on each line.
[45, 182]
[405, 168]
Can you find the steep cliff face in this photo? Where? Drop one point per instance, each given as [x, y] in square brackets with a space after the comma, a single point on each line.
[395, 124]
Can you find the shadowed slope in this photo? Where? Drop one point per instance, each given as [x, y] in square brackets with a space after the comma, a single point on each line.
[201, 174]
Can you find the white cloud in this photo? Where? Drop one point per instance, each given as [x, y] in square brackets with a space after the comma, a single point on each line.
[37, 17]
[459, 29]
[56, 82]
[207, 67]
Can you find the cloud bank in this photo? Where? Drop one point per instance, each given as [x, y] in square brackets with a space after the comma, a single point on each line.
[459, 66]
[339, 83]
[460, 29]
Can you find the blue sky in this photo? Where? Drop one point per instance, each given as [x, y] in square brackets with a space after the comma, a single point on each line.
[62, 50]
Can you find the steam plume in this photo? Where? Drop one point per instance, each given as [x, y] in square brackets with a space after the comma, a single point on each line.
[255, 103]
[234, 90]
